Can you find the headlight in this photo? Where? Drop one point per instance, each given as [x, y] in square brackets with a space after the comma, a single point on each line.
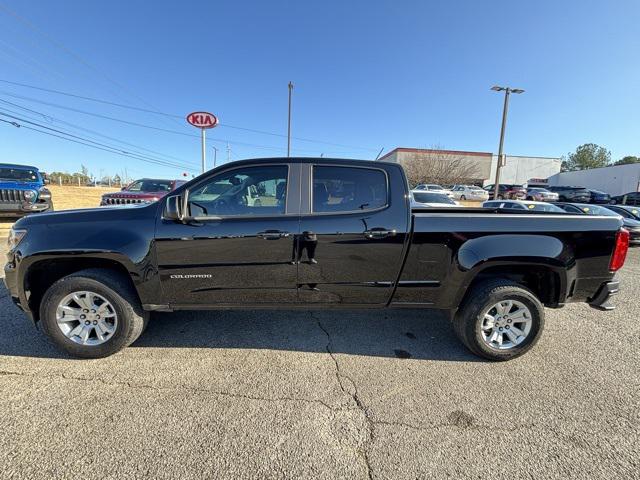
[151, 200]
[15, 237]
[30, 195]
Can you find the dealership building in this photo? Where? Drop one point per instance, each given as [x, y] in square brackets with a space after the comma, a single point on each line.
[517, 169]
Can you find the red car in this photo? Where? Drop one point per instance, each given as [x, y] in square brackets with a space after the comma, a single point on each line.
[507, 191]
[146, 190]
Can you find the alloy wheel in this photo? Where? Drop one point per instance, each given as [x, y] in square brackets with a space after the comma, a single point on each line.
[506, 324]
[86, 318]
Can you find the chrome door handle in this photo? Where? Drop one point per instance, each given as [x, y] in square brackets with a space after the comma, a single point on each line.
[376, 233]
[272, 234]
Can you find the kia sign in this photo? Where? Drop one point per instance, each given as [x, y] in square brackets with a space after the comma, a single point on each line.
[202, 119]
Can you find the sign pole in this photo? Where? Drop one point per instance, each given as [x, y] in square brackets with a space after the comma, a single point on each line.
[204, 154]
[289, 122]
[203, 120]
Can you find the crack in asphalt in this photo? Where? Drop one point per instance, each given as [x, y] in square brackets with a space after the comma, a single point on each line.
[355, 397]
[133, 385]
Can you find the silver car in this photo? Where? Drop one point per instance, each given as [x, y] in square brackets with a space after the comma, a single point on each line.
[540, 194]
[470, 192]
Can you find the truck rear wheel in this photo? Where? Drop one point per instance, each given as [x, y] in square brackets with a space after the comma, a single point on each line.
[93, 313]
[499, 320]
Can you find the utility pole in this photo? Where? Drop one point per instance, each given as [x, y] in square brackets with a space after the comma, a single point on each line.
[228, 152]
[507, 91]
[289, 122]
[204, 151]
[215, 156]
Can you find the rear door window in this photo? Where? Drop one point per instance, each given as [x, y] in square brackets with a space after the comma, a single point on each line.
[348, 189]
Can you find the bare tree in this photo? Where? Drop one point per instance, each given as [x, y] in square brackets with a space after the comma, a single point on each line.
[439, 166]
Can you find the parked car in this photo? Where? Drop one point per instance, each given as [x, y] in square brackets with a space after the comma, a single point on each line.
[529, 206]
[632, 225]
[422, 198]
[469, 192]
[625, 211]
[599, 197]
[571, 194]
[432, 187]
[507, 190]
[631, 198]
[23, 191]
[146, 190]
[540, 194]
[89, 278]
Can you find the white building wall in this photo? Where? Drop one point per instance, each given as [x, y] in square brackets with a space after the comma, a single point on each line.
[616, 180]
[519, 170]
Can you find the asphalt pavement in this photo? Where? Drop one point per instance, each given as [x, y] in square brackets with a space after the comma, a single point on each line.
[281, 394]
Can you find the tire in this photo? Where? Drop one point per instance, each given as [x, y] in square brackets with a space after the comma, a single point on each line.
[50, 209]
[562, 199]
[500, 197]
[129, 322]
[468, 321]
[463, 198]
[530, 198]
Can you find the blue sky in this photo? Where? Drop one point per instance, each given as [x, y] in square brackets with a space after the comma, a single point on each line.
[367, 75]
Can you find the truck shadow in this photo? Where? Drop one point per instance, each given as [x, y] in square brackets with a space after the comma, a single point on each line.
[403, 334]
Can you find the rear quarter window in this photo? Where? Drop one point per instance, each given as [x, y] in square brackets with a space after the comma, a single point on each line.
[348, 189]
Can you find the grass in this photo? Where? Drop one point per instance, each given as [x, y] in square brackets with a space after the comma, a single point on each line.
[67, 198]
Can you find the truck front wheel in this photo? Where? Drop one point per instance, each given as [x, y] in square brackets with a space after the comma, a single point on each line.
[499, 320]
[93, 313]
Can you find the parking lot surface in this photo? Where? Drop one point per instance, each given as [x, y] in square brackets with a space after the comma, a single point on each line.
[281, 394]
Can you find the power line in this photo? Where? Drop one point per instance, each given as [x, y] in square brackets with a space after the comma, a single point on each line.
[51, 119]
[157, 112]
[141, 125]
[16, 124]
[69, 52]
[88, 142]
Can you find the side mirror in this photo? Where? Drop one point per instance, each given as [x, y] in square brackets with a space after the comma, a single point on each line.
[173, 208]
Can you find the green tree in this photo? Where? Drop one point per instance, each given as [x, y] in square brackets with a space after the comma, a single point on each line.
[628, 160]
[586, 156]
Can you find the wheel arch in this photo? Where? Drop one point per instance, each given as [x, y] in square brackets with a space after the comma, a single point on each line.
[42, 273]
[542, 263]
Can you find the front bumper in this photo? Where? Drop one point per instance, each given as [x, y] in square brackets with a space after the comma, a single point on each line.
[11, 282]
[22, 209]
[601, 299]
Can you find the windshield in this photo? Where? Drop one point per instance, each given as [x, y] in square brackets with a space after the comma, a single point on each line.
[425, 197]
[543, 207]
[596, 210]
[150, 186]
[18, 175]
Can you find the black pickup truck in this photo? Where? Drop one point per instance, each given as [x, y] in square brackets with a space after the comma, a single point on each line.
[307, 233]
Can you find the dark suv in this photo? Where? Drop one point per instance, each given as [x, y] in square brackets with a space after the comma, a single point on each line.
[507, 190]
[571, 194]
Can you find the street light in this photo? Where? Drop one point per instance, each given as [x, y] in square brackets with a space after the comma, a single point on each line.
[215, 156]
[507, 91]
